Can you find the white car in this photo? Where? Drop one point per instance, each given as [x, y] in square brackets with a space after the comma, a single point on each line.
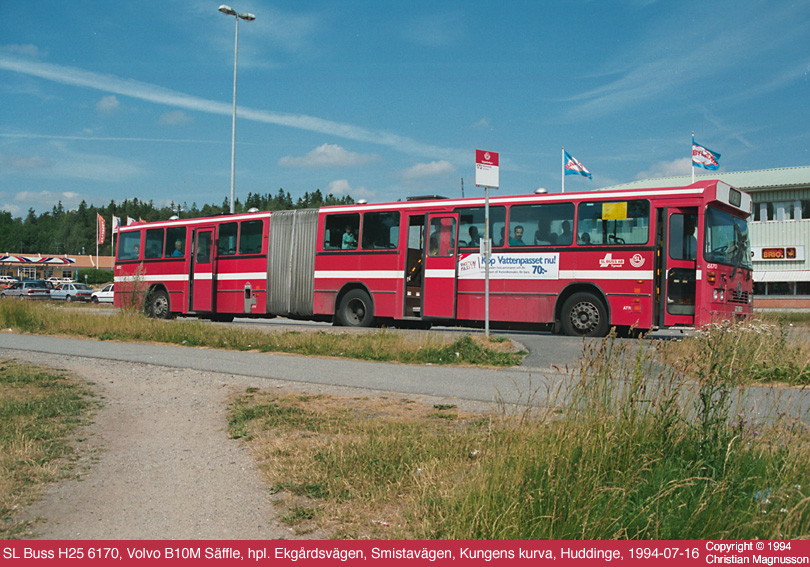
[73, 292]
[105, 295]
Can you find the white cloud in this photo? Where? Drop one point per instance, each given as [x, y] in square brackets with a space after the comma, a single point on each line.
[340, 187]
[160, 95]
[328, 155]
[60, 162]
[428, 169]
[483, 123]
[175, 117]
[681, 166]
[23, 162]
[108, 104]
[26, 49]
[48, 199]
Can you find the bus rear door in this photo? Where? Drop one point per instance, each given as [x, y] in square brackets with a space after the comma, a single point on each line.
[439, 291]
[201, 278]
[678, 276]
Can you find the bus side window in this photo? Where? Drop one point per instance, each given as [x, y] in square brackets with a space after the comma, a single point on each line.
[380, 230]
[226, 241]
[544, 225]
[129, 245]
[250, 237]
[340, 232]
[175, 242]
[471, 225]
[154, 243]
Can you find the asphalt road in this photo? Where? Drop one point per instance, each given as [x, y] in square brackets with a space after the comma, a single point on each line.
[473, 384]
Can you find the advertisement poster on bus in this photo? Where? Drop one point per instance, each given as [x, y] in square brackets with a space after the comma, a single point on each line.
[544, 266]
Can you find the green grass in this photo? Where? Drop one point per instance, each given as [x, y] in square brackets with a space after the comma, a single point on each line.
[753, 352]
[39, 410]
[635, 450]
[380, 345]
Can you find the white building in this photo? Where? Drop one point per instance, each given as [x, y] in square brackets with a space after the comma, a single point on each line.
[779, 227]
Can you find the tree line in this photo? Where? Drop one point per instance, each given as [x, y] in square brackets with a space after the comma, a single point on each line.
[60, 232]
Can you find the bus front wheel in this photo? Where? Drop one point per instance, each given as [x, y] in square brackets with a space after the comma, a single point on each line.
[356, 309]
[157, 305]
[584, 315]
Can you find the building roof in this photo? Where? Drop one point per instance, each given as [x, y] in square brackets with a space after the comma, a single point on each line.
[69, 261]
[757, 180]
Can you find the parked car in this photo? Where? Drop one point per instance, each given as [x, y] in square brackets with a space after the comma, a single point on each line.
[73, 292]
[27, 289]
[56, 281]
[105, 295]
[6, 281]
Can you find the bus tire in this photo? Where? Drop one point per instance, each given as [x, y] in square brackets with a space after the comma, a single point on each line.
[356, 309]
[157, 305]
[584, 315]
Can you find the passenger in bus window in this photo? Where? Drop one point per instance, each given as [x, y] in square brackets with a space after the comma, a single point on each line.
[566, 237]
[689, 238]
[349, 240]
[178, 249]
[585, 238]
[541, 235]
[475, 239]
[517, 237]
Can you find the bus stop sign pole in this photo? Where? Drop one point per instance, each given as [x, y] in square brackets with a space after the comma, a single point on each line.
[486, 176]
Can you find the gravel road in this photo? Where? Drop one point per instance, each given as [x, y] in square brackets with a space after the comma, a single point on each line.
[157, 461]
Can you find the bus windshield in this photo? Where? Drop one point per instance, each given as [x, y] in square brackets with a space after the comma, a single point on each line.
[727, 239]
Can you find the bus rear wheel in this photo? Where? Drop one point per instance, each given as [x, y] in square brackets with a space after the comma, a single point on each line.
[157, 305]
[584, 315]
[356, 309]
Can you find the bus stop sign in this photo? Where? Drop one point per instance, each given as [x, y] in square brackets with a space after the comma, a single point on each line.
[486, 169]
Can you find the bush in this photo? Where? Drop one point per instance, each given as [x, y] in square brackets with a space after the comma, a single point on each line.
[95, 276]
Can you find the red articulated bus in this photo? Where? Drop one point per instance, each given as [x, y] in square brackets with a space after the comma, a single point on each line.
[579, 263]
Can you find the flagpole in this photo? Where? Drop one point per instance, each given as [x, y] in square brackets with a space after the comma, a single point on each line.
[692, 151]
[563, 168]
[97, 227]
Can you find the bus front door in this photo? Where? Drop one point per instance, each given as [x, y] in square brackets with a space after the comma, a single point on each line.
[201, 279]
[439, 289]
[678, 275]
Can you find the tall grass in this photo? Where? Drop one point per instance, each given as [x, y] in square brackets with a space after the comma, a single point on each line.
[39, 409]
[744, 353]
[639, 450]
[385, 346]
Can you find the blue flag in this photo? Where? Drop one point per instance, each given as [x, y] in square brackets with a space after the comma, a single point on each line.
[574, 167]
[704, 157]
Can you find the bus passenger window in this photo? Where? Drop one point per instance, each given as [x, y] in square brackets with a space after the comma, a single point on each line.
[441, 243]
[175, 242]
[544, 225]
[340, 232]
[471, 225]
[226, 241]
[682, 237]
[613, 222]
[250, 237]
[129, 245]
[154, 243]
[380, 230]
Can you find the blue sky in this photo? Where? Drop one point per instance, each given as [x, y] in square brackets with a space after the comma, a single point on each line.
[114, 100]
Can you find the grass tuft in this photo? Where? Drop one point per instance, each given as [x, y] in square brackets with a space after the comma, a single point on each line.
[39, 409]
[380, 345]
[640, 450]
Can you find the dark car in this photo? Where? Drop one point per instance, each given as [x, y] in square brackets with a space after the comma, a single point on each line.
[27, 289]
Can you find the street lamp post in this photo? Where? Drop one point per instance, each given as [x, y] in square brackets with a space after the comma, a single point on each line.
[228, 11]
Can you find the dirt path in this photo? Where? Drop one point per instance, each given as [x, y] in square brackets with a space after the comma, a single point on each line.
[158, 462]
